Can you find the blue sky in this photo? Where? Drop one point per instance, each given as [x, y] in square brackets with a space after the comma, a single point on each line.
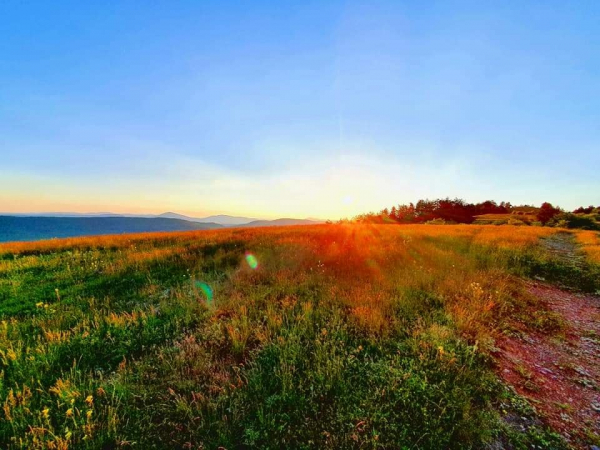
[321, 109]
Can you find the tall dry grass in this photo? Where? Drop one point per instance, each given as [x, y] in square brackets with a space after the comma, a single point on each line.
[590, 242]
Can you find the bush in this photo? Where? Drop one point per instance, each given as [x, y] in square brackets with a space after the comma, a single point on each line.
[570, 220]
[547, 212]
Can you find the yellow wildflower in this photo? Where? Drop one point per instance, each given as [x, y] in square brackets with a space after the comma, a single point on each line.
[7, 414]
[11, 354]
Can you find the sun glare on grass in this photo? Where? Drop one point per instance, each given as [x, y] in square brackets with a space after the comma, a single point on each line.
[206, 291]
[252, 261]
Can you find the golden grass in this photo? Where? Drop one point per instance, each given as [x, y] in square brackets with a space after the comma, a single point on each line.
[590, 242]
[116, 241]
[384, 280]
[506, 216]
[506, 235]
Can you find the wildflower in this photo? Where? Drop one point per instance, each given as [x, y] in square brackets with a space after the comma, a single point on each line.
[441, 350]
[64, 390]
[45, 413]
[69, 412]
[88, 414]
[7, 414]
[11, 399]
[89, 400]
[11, 354]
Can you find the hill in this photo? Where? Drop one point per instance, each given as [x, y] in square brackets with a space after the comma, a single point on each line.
[36, 228]
[220, 219]
[328, 336]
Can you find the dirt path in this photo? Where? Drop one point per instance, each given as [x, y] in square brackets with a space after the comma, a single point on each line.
[560, 373]
[562, 245]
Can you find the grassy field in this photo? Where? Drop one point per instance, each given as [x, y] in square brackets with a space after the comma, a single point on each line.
[590, 241]
[506, 218]
[328, 336]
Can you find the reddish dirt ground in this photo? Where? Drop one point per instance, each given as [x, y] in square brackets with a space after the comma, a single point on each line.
[559, 372]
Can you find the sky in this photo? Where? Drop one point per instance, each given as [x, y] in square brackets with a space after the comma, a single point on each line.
[296, 109]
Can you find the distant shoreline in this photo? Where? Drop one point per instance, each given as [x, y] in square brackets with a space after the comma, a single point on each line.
[32, 228]
[35, 228]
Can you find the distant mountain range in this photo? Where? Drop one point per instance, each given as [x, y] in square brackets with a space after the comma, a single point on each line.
[220, 219]
[35, 226]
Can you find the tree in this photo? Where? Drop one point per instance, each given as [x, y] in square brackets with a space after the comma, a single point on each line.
[582, 210]
[406, 213]
[547, 212]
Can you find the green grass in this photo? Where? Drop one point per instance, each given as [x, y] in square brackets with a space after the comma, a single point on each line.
[343, 337]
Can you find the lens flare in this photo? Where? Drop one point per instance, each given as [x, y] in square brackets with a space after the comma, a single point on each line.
[252, 261]
[206, 290]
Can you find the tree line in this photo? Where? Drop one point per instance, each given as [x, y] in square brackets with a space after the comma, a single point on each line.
[450, 210]
[460, 211]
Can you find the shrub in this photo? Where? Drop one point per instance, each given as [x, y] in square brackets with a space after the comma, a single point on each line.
[570, 220]
[547, 212]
